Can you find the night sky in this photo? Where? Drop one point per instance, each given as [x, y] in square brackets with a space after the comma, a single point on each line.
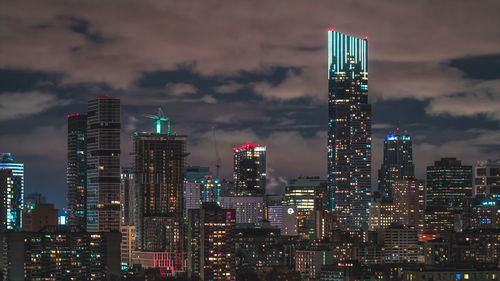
[256, 70]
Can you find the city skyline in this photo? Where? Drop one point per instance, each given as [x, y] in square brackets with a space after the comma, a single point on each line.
[412, 84]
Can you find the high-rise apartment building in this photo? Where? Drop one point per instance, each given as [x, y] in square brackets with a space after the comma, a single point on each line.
[398, 161]
[349, 129]
[103, 164]
[211, 251]
[487, 178]
[12, 193]
[159, 178]
[409, 203]
[248, 209]
[76, 174]
[250, 169]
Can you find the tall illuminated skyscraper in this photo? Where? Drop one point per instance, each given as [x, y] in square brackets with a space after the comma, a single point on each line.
[103, 164]
[250, 169]
[349, 129]
[12, 193]
[398, 162]
[76, 175]
[159, 159]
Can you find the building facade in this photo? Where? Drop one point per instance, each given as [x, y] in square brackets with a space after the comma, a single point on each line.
[398, 162]
[103, 164]
[249, 209]
[40, 216]
[449, 194]
[159, 179]
[409, 203]
[12, 193]
[250, 169]
[211, 251]
[487, 178]
[76, 174]
[349, 129]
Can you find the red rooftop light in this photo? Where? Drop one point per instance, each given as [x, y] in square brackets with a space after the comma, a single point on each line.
[248, 146]
[366, 38]
[331, 29]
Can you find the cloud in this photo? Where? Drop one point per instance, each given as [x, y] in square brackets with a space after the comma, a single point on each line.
[46, 142]
[482, 99]
[229, 88]
[178, 89]
[238, 36]
[20, 105]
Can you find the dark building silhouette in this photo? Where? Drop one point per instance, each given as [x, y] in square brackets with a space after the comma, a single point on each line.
[40, 216]
[349, 129]
[76, 174]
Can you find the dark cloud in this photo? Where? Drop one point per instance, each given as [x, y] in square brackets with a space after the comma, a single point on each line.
[254, 69]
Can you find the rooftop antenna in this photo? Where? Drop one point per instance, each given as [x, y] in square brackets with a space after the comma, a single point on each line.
[159, 119]
[217, 156]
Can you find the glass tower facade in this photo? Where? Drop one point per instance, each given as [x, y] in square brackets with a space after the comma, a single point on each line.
[349, 129]
[250, 169]
[76, 176]
[397, 164]
[12, 189]
[103, 164]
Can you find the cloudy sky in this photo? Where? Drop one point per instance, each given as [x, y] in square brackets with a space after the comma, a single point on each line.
[256, 70]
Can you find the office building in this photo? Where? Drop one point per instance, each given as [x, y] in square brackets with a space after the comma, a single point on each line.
[76, 174]
[249, 209]
[159, 159]
[381, 215]
[128, 192]
[192, 195]
[211, 189]
[309, 262]
[211, 251]
[401, 245]
[449, 183]
[285, 218]
[103, 164]
[250, 169]
[40, 216]
[12, 193]
[349, 129]
[57, 253]
[398, 161]
[448, 194]
[487, 178]
[409, 203]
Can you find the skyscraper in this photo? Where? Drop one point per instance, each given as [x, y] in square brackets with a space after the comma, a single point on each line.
[12, 193]
[398, 162]
[76, 176]
[159, 178]
[349, 129]
[103, 164]
[250, 169]
[449, 194]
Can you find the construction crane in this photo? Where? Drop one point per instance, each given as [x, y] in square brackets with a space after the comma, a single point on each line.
[159, 118]
[217, 157]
